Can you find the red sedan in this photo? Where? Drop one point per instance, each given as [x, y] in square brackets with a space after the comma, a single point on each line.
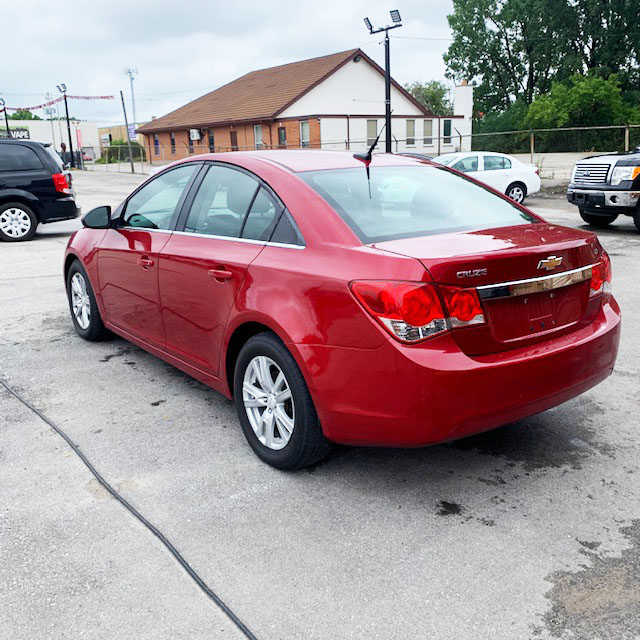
[412, 307]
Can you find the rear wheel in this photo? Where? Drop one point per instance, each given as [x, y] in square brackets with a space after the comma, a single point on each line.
[517, 191]
[598, 220]
[17, 222]
[82, 303]
[636, 218]
[274, 405]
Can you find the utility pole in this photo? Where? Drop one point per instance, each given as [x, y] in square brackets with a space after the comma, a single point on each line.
[126, 126]
[132, 73]
[49, 111]
[62, 88]
[6, 118]
[395, 17]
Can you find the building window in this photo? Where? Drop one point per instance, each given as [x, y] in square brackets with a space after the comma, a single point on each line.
[233, 135]
[156, 144]
[212, 146]
[446, 131]
[173, 143]
[372, 131]
[428, 133]
[257, 136]
[411, 133]
[282, 137]
[304, 133]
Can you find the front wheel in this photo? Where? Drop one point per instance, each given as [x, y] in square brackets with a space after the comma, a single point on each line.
[517, 192]
[82, 304]
[17, 222]
[597, 220]
[274, 405]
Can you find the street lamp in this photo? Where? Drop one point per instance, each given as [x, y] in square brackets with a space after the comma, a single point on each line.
[395, 18]
[6, 119]
[62, 88]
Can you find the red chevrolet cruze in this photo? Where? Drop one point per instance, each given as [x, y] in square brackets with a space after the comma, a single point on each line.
[412, 307]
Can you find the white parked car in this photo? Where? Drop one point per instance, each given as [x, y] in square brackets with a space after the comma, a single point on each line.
[504, 173]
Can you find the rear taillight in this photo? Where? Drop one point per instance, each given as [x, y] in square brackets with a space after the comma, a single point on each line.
[601, 277]
[412, 311]
[60, 183]
[463, 305]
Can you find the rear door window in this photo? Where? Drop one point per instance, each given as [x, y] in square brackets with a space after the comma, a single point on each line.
[222, 202]
[18, 157]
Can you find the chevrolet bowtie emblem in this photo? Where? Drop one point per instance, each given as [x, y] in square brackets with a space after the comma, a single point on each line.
[550, 263]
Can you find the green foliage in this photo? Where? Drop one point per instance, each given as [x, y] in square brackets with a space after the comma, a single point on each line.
[433, 95]
[515, 49]
[23, 114]
[119, 152]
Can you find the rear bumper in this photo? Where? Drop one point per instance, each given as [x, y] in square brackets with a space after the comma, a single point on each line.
[592, 199]
[60, 209]
[413, 396]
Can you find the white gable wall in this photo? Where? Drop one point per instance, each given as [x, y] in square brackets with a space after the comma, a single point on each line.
[356, 88]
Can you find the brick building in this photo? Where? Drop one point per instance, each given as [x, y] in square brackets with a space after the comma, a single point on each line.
[331, 102]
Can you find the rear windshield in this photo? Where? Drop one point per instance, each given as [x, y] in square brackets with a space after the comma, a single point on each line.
[411, 201]
[56, 158]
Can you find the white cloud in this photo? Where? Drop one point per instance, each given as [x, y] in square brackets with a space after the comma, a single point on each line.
[183, 49]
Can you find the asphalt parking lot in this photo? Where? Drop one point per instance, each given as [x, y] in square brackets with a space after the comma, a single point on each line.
[529, 531]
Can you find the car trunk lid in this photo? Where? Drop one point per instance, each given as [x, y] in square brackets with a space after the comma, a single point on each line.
[533, 280]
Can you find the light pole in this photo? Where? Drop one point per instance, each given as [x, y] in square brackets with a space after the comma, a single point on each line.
[62, 88]
[395, 17]
[132, 73]
[6, 119]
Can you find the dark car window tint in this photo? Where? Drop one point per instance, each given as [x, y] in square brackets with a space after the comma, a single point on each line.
[154, 206]
[411, 201]
[17, 157]
[466, 164]
[285, 232]
[261, 217]
[221, 203]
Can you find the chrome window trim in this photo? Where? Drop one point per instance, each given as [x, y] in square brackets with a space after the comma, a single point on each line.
[145, 229]
[234, 239]
[534, 285]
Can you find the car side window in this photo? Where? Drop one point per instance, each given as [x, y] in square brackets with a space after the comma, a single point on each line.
[492, 163]
[17, 157]
[262, 217]
[286, 231]
[466, 164]
[154, 206]
[222, 202]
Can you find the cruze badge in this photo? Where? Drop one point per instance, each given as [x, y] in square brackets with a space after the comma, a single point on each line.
[473, 273]
[550, 263]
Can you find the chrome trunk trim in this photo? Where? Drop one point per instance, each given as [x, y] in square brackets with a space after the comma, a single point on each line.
[534, 285]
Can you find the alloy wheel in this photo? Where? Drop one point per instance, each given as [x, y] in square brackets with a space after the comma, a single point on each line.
[516, 194]
[15, 222]
[80, 301]
[268, 401]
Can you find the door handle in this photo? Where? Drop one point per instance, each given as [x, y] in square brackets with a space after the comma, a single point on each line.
[220, 274]
[145, 262]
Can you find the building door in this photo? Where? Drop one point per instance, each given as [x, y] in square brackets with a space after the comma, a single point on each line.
[282, 137]
[234, 140]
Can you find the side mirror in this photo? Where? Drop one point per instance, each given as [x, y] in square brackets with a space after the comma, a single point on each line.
[67, 165]
[98, 218]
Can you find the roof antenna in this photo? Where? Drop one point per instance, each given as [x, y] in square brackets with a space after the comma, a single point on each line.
[365, 158]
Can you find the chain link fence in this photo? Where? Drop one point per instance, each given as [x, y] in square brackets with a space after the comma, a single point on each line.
[553, 151]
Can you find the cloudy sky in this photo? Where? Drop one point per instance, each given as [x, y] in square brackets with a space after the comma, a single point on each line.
[184, 49]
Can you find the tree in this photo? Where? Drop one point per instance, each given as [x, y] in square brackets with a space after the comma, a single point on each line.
[24, 114]
[516, 49]
[433, 95]
[582, 102]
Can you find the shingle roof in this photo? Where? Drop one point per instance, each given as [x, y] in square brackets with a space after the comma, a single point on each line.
[259, 95]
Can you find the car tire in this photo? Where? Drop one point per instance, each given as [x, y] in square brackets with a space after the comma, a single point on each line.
[82, 304]
[517, 191]
[598, 220]
[18, 222]
[636, 218]
[275, 407]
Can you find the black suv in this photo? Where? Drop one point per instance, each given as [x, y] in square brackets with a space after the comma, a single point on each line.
[34, 189]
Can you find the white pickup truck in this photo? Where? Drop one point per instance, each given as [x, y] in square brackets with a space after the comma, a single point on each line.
[603, 187]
